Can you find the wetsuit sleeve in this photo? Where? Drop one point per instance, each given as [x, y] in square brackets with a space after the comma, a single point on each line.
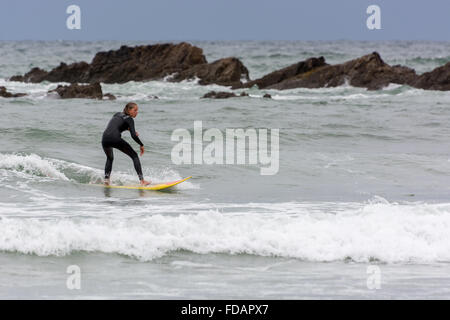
[130, 122]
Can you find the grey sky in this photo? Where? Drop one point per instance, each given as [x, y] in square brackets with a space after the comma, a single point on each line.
[225, 20]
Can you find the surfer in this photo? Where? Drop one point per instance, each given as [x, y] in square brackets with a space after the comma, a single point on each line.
[120, 122]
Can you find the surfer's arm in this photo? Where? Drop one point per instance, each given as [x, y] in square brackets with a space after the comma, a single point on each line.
[133, 132]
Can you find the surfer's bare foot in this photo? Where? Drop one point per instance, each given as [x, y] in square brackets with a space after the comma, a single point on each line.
[106, 182]
[145, 183]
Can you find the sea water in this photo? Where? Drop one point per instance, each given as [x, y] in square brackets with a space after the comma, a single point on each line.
[363, 181]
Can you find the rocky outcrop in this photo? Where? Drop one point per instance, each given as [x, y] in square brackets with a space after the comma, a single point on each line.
[438, 79]
[142, 63]
[34, 75]
[75, 72]
[126, 64]
[225, 72]
[369, 71]
[88, 91]
[78, 72]
[289, 72]
[184, 61]
[5, 94]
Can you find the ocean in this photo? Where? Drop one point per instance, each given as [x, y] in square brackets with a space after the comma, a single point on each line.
[358, 209]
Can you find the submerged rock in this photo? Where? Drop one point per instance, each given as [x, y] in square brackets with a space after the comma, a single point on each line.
[5, 94]
[109, 96]
[267, 96]
[219, 95]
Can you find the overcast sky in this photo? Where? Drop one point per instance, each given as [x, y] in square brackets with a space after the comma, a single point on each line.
[225, 20]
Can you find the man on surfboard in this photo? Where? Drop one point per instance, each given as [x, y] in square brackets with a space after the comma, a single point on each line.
[120, 122]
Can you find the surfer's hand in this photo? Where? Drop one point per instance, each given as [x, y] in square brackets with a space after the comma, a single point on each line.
[142, 150]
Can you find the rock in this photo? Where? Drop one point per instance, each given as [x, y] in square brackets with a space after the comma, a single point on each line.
[438, 79]
[126, 64]
[144, 62]
[5, 94]
[89, 91]
[223, 95]
[109, 96]
[369, 71]
[184, 61]
[285, 73]
[72, 73]
[35, 75]
[219, 95]
[267, 96]
[225, 72]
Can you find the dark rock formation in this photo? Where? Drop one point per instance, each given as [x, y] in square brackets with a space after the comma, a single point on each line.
[285, 73]
[34, 75]
[72, 73]
[369, 71]
[267, 96]
[142, 63]
[184, 61]
[89, 91]
[219, 95]
[226, 72]
[243, 94]
[128, 63]
[5, 94]
[438, 79]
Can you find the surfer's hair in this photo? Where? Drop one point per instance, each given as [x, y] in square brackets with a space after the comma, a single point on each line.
[128, 107]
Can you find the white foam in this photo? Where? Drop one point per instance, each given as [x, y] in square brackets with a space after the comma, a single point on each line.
[390, 232]
[34, 91]
[33, 166]
[30, 164]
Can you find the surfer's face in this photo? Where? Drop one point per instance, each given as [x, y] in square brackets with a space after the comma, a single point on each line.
[133, 112]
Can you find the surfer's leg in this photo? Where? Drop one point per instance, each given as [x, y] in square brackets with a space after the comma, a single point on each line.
[109, 161]
[127, 149]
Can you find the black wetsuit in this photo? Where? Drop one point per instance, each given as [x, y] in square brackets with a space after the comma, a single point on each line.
[112, 139]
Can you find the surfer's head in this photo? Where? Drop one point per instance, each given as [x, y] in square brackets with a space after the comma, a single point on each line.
[131, 109]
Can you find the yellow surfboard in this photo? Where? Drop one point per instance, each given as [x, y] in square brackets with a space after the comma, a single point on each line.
[160, 186]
